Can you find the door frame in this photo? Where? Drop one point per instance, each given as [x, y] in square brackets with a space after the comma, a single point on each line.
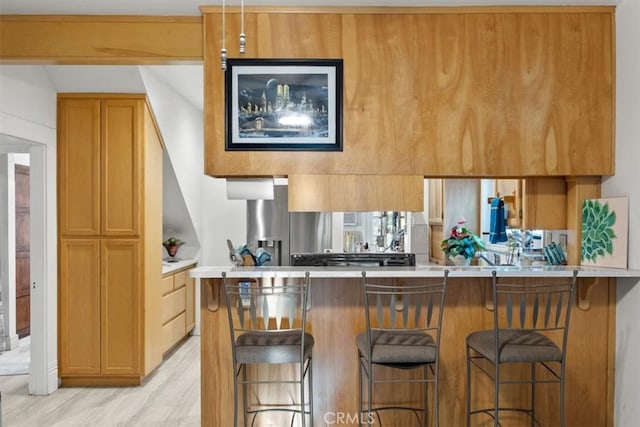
[43, 368]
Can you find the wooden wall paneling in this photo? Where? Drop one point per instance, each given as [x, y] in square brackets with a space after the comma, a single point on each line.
[73, 39]
[354, 193]
[578, 189]
[151, 211]
[531, 85]
[506, 92]
[215, 361]
[338, 302]
[190, 308]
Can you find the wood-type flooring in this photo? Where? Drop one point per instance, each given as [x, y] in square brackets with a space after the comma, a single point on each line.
[171, 397]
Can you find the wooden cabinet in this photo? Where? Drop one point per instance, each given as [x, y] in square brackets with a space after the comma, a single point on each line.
[534, 203]
[436, 220]
[178, 308]
[190, 307]
[110, 232]
[493, 92]
[450, 200]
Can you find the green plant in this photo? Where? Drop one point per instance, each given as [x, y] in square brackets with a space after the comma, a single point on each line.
[172, 241]
[461, 241]
[597, 231]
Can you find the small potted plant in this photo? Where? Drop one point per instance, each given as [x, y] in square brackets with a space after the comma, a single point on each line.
[461, 244]
[172, 244]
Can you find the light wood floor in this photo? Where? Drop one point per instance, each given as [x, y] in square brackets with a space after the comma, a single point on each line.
[170, 398]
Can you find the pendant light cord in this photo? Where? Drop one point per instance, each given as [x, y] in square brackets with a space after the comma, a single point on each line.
[223, 51]
[242, 36]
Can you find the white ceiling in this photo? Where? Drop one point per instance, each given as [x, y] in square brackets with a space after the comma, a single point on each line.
[191, 7]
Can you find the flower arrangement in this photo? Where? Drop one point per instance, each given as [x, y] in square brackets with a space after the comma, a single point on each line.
[461, 241]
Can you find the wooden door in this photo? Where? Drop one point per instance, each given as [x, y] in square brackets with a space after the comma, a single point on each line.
[121, 290]
[23, 274]
[78, 167]
[79, 307]
[122, 121]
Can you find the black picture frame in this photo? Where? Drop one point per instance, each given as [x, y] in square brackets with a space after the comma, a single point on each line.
[283, 104]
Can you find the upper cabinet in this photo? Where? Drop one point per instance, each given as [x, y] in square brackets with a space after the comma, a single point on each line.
[490, 92]
[534, 203]
[100, 158]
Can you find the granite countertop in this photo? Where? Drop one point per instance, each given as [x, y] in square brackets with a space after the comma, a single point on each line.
[431, 270]
[170, 267]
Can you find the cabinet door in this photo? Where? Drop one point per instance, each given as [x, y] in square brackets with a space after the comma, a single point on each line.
[121, 133]
[436, 220]
[436, 197]
[79, 307]
[78, 167]
[191, 304]
[544, 203]
[511, 189]
[121, 310]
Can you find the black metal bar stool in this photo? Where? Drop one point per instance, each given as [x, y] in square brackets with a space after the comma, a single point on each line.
[531, 324]
[403, 326]
[267, 324]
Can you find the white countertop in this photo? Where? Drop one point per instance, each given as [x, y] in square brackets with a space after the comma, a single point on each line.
[169, 267]
[417, 271]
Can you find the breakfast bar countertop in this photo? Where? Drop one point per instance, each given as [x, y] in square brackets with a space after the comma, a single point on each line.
[425, 270]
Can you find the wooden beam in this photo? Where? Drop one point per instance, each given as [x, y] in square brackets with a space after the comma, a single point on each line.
[93, 39]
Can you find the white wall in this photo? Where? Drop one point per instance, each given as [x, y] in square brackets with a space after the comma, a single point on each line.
[625, 183]
[28, 114]
[215, 218]
[182, 129]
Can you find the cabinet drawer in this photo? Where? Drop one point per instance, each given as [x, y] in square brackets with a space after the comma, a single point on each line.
[173, 304]
[167, 284]
[179, 280]
[173, 332]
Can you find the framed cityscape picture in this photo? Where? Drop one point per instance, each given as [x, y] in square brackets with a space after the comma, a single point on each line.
[283, 104]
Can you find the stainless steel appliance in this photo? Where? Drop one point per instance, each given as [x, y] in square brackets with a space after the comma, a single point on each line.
[381, 259]
[272, 227]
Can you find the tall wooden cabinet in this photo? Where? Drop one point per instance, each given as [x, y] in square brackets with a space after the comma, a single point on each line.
[110, 232]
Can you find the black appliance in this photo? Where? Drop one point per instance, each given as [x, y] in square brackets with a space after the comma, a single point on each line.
[333, 259]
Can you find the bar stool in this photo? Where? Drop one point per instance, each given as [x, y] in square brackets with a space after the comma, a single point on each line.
[531, 324]
[267, 324]
[403, 325]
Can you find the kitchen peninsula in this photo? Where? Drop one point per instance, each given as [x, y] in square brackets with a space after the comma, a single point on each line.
[336, 315]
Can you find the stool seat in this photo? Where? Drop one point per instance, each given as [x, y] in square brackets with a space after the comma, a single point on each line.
[272, 347]
[399, 347]
[515, 346]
